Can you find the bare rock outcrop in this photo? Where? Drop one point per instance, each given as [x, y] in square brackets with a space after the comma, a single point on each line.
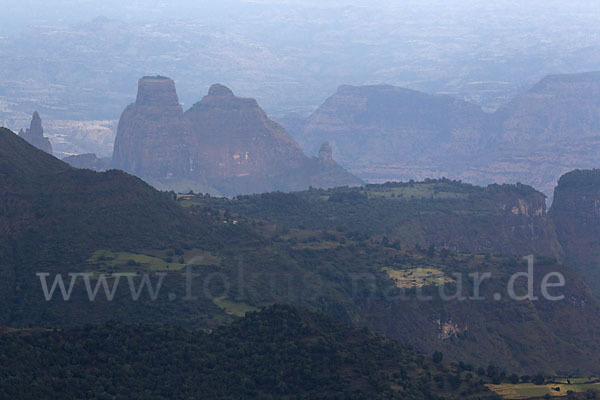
[150, 141]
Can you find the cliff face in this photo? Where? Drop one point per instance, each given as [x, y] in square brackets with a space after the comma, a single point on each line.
[576, 215]
[224, 144]
[35, 134]
[150, 140]
[559, 107]
[375, 124]
[387, 133]
[233, 137]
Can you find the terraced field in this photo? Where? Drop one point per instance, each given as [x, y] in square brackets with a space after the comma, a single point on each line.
[417, 277]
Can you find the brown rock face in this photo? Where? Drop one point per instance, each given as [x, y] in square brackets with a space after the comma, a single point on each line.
[559, 107]
[35, 134]
[224, 144]
[150, 140]
[158, 91]
[387, 125]
[386, 133]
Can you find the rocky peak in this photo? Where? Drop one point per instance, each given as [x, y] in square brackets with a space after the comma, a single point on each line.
[220, 90]
[35, 134]
[35, 128]
[157, 91]
[149, 135]
[220, 96]
[326, 153]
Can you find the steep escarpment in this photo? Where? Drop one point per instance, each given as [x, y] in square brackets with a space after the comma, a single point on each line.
[558, 108]
[150, 140]
[384, 124]
[223, 144]
[384, 133]
[576, 214]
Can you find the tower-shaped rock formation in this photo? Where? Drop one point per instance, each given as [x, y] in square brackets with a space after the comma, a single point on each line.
[151, 133]
[35, 134]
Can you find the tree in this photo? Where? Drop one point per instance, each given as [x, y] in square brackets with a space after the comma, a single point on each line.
[539, 379]
[438, 356]
[431, 251]
[492, 371]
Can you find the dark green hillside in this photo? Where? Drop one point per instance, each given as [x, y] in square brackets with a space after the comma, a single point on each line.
[279, 353]
[19, 160]
[507, 219]
[345, 253]
[342, 233]
[54, 217]
[45, 198]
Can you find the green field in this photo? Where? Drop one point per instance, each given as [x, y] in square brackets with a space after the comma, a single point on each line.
[126, 263]
[530, 390]
[420, 191]
[233, 308]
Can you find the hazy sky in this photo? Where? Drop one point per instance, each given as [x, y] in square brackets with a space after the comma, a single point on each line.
[291, 54]
[17, 13]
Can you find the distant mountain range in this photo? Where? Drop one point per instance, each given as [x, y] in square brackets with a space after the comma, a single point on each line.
[388, 133]
[379, 133]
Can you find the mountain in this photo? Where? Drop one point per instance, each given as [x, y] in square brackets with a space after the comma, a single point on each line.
[558, 108]
[35, 134]
[223, 144]
[389, 133]
[374, 125]
[279, 353]
[576, 214]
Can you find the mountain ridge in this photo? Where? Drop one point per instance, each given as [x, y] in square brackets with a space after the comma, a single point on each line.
[536, 137]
